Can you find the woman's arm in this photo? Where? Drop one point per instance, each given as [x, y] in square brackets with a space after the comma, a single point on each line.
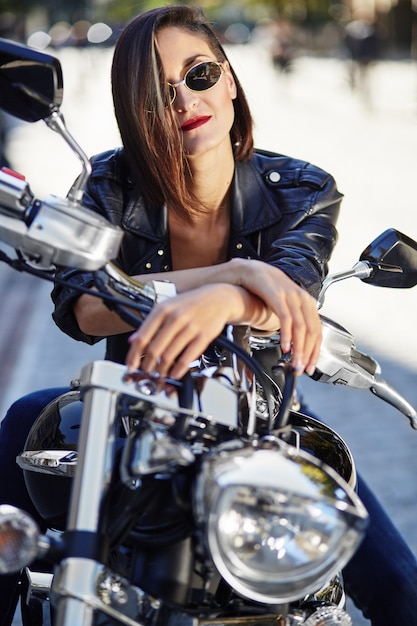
[286, 303]
[252, 293]
[94, 318]
[243, 291]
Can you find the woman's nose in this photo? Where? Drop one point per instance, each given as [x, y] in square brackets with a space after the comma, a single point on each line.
[185, 99]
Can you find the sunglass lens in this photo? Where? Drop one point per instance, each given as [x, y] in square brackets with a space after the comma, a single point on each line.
[203, 76]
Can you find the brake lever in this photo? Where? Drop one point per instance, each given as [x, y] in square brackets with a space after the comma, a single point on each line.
[386, 392]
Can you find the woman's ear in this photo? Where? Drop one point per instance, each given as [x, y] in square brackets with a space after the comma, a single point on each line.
[230, 80]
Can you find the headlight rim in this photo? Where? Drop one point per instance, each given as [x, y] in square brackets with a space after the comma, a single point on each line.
[349, 508]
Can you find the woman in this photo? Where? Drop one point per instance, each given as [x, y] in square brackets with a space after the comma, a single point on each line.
[206, 149]
[244, 235]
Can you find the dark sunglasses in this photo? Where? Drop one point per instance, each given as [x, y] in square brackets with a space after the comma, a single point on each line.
[200, 77]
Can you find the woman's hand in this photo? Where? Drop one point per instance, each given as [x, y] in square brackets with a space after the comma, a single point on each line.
[299, 321]
[177, 331]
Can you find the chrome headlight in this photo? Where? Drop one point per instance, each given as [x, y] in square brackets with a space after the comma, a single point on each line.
[278, 523]
[19, 536]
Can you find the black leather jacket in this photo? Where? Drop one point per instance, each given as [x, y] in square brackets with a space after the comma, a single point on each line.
[284, 212]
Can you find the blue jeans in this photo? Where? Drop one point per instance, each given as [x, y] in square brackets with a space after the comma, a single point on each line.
[381, 578]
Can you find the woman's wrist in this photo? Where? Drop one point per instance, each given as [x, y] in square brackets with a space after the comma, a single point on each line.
[236, 271]
[244, 308]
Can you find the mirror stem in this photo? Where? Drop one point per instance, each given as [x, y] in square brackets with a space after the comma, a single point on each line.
[56, 122]
[362, 269]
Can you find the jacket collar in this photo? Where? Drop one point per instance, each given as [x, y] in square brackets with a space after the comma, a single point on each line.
[254, 206]
[140, 219]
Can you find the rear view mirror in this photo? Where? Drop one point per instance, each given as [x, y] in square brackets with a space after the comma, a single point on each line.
[31, 85]
[393, 259]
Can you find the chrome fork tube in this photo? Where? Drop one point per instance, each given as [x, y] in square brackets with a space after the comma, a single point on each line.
[96, 450]
[95, 459]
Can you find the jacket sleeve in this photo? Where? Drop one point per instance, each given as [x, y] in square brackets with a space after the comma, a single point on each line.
[306, 238]
[98, 189]
[63, 298]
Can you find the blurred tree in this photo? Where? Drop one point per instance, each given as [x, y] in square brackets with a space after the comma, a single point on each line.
[124, 10]
[12, 19]
[299, 10]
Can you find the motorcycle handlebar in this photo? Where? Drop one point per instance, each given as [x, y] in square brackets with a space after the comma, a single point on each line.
[55, 231]
[16, 197]
[122, 284]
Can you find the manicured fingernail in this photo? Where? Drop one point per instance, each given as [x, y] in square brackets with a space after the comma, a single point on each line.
[298, 368]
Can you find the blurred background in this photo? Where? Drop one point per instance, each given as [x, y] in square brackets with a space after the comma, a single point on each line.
[319, 25]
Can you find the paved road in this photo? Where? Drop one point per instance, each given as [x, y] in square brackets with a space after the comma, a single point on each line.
[371, 149]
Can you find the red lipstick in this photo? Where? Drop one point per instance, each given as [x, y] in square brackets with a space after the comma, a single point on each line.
[195, 122]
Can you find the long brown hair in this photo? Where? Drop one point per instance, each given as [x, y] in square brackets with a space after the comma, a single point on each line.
[151, 140]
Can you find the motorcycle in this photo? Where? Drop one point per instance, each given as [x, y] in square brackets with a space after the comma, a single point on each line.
[213, 500]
